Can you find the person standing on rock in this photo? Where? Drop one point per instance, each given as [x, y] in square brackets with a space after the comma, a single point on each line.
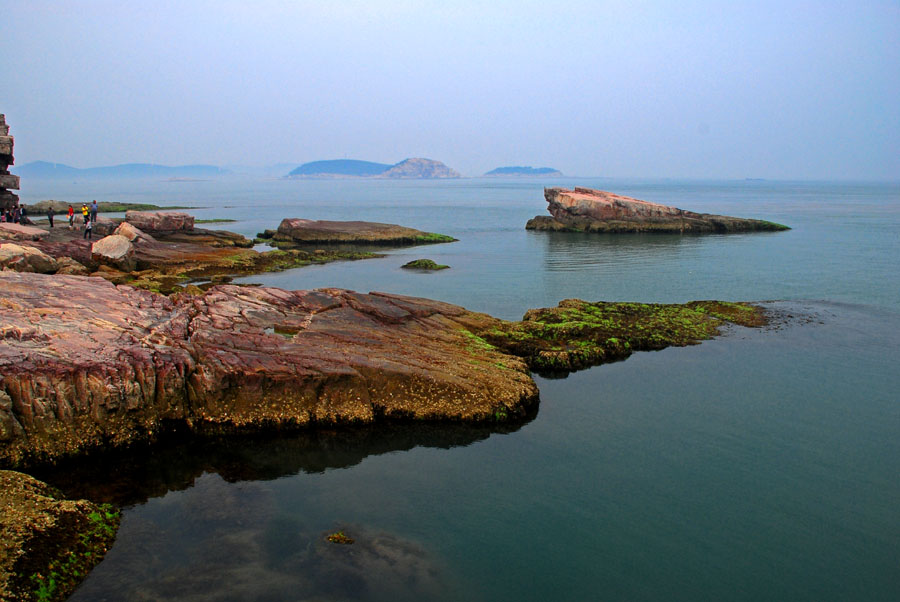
[71, 215]
[50, 215]
[94, 210]
[88, 229]
[85, 212]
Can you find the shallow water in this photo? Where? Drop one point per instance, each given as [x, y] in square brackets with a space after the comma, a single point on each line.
[760, 465]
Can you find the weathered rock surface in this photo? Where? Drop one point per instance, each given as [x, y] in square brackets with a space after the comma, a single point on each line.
[88, 364]
[588, 210]
[23, 258]
[306, 232]
[47, 543]
[160, 221]
[10, 231]
[69, 266]
[133, 233]
[115, 250]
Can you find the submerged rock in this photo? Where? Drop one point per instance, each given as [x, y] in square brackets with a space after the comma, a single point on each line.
[48, 543]
[588, 210]
[89, 364]
[304, 232]
[424, 264]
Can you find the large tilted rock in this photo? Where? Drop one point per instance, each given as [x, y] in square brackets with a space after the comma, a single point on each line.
[86, 363]
[307, 231]
[114, 250]
[160, 221]
[588, 210]
[23, 258]
[133, 233]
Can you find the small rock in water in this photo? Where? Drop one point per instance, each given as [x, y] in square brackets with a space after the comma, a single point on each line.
[339, 537]
[424, 264]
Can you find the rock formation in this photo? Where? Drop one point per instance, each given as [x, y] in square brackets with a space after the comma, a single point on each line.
[420, 169]
[85, 363]
[23, 258]
[588, 210]
[114, 250]
[160, 221]
[302, 232]
[8, 200]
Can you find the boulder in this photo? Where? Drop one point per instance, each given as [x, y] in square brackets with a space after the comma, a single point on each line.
[132, 233]
[114, 250]
[588, 210]
[10, 231]
[67, 265]
[26, 259]
[160, 221]
[306, 232]
[104, 226]
[115, 363]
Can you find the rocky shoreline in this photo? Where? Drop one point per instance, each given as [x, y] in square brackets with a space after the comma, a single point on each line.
[114, 348]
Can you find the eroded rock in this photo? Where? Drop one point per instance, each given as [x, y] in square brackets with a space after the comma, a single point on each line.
[23, 258]
[114, 250]
[10, 231]
[310, 232]
[86, 363]
[160, 221]
[588, 210]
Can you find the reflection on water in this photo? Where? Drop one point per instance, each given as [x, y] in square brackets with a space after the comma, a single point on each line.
[579, 252]
[133, 476]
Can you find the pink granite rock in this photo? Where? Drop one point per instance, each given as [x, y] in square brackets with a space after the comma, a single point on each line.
[114, 250]
[588, 210]
[22, 258]
[160, 221]
[19, 232]
[86, 363]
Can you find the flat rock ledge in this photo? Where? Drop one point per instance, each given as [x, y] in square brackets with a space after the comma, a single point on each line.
[304, 232]
[87, 364]
[589, 210]
[48, 543]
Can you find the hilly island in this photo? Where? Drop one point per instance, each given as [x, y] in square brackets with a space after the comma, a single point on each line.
[413, 168]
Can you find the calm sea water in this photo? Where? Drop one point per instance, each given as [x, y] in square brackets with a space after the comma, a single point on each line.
[761, 465]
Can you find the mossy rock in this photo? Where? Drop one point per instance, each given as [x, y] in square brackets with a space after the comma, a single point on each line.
[424, 264]
[577, 334]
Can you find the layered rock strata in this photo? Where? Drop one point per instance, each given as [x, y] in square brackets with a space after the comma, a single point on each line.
[588, 210]
[8, 182]
[160, 221]
[85, 363]
[305, 232]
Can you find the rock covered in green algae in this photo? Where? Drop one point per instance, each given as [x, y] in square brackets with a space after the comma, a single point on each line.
[424, 264]
[577, 334]
[48, 543]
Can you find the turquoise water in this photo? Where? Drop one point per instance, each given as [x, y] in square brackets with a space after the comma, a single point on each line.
[761, 465]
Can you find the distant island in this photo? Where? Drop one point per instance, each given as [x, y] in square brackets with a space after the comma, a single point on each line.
[415, 168]
[46, 170]
[524, 171]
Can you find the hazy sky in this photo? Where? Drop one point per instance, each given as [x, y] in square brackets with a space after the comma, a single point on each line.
[658, 89]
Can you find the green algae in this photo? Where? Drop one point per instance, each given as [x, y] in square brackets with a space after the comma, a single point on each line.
[71, 563]
[577, 334]
[424, 264]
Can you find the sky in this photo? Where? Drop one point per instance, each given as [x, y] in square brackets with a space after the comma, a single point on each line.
[716, 89]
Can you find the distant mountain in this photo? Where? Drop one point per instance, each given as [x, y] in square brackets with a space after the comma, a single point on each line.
[340, 167]
[416, 168]
[45, 170]
[524, 171]
[420, 169]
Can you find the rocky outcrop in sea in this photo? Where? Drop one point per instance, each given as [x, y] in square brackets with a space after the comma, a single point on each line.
[589, 210]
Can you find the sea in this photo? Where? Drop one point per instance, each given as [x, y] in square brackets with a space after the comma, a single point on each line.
[761, 465]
